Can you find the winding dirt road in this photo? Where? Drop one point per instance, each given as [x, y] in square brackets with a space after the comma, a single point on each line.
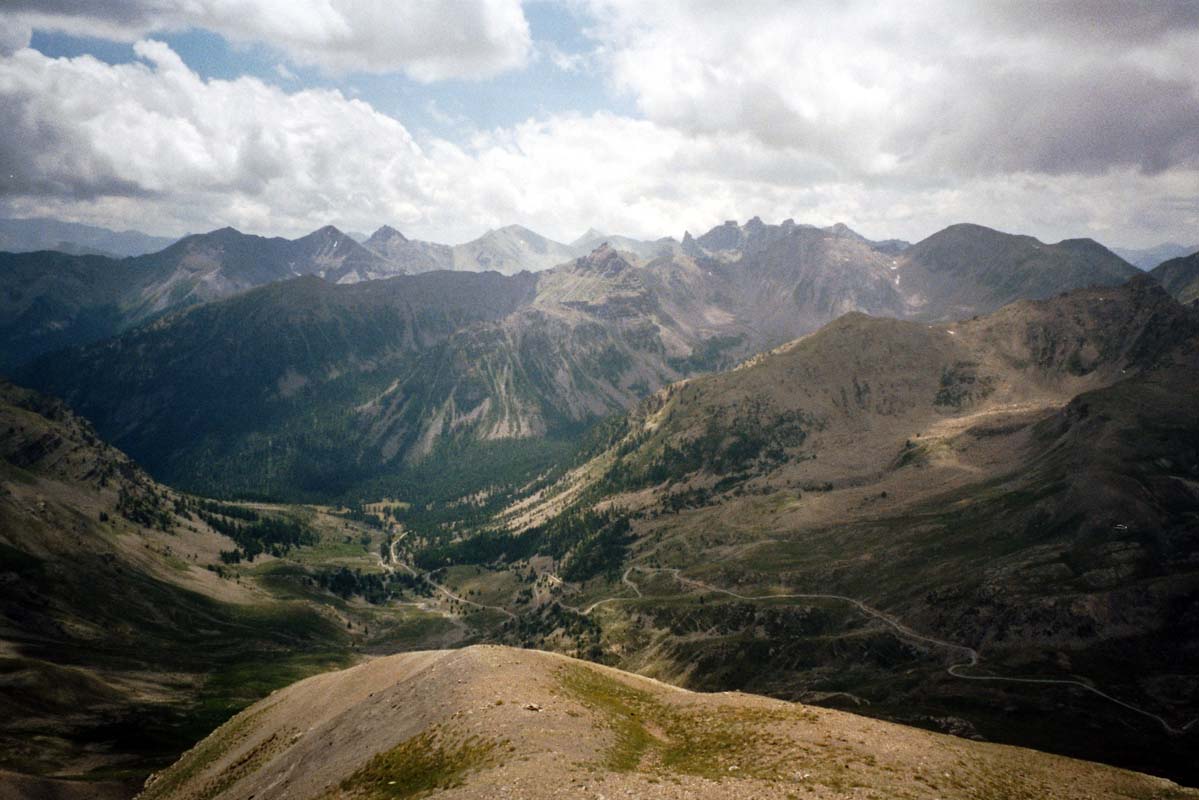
[623, 579]
[971, 655]
[395, 560]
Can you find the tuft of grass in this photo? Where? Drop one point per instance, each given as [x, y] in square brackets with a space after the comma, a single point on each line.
[247, 764]
[424, 763]
[705, 743]
[708, 744]
[623, 708]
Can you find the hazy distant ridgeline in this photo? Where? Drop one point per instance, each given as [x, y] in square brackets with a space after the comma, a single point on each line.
[31, 235]
[1150, 257]
[52, 299]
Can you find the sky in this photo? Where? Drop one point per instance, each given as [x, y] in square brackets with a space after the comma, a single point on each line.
[445, 118]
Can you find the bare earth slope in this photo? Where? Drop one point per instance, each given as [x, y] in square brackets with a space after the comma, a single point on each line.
[858, 389]
[489, 722]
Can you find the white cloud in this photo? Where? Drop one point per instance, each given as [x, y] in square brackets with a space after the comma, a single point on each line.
[191, 150]
[564, 61]
[953, 88]
[429, 40]
[152, 145]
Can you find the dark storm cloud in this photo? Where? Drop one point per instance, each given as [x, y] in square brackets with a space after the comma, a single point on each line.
[121, 12]
[44, 156]
[1009, 121]
[1098, 21]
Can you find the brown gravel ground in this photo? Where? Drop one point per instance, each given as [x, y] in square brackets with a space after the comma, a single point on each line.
[496, 722]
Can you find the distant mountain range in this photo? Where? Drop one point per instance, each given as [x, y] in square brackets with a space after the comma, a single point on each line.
[404, 372]
[802, 275]
[57, 297]
[1149, 257]
[644, 250]
[29, 235]
[507, 249]
[51, 300]
[409, 255]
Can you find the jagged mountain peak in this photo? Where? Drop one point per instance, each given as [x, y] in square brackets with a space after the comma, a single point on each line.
[731, 235]
[385, 234]
[604, 259]
[517, 230]
[218, 236]
[409, 255]
[326, 232]
[589, 236]
[509, 250]
[841, 229]
[726, 236]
